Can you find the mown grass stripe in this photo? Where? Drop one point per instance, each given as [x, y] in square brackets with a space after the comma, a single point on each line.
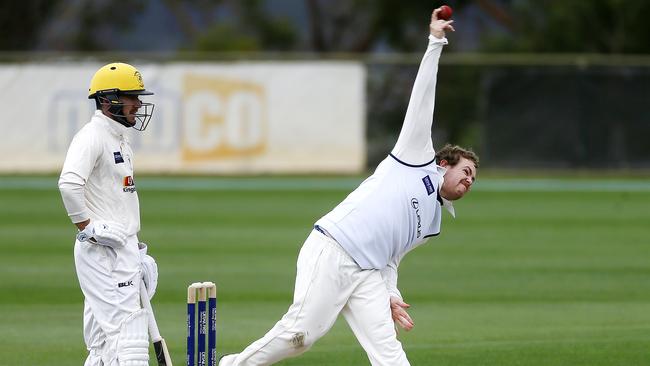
[338, 183]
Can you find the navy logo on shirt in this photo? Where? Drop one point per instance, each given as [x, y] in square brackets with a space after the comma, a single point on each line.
[118, 157]
[429, 186]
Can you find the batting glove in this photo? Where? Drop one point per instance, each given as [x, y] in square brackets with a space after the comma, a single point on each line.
[149, 270]
[109, 233]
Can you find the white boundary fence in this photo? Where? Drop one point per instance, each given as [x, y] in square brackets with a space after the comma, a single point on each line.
[235, 118]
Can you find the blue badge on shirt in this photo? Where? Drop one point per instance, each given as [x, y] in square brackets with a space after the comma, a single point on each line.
[429, 186]
[118, 157]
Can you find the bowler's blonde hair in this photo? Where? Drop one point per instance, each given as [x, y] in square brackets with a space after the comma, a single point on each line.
[453, 153]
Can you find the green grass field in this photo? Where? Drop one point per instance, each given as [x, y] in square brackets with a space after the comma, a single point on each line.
[529, 273]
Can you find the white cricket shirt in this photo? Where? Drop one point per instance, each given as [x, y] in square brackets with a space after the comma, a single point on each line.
[399, 206]
[97, 180]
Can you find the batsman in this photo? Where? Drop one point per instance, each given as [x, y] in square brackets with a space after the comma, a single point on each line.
[348, 264]
[99, 193]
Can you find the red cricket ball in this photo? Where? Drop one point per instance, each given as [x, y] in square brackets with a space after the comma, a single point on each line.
[445, 12]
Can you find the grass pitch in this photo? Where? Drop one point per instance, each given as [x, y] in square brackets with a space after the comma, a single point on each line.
[550, 273]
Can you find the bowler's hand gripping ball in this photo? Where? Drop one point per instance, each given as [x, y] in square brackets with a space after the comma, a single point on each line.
[445, 12]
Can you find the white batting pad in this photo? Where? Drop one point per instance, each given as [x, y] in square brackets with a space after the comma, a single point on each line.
[133, 341]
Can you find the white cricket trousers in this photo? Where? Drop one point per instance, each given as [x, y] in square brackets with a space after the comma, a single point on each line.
[329, 282]
[110, 281]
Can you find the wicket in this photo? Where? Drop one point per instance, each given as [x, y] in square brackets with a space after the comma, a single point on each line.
[203, 289]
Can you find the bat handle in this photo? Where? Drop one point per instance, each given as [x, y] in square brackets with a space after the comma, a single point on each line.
[159, 346]
[146, 304]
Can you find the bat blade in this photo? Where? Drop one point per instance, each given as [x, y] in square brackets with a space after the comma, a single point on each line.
[162, 354]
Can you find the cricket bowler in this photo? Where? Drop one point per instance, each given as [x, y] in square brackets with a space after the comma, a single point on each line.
[348, 264]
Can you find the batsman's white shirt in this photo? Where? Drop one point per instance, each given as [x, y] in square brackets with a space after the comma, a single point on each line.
[99, 165]
[97, 183]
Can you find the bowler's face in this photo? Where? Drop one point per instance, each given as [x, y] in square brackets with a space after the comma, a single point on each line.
[458, 179]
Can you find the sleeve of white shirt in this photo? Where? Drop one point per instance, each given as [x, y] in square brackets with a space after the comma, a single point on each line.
[414, 145]
[79, 163]
[389, 275]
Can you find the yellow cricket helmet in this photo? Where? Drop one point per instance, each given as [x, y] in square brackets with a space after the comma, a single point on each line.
[117, 78]
[108, 86]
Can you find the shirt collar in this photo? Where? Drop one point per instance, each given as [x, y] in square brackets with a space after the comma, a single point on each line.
[111, 125]
[444, 202]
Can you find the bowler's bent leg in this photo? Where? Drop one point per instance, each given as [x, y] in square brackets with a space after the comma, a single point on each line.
[318, 298]
[368, 314]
